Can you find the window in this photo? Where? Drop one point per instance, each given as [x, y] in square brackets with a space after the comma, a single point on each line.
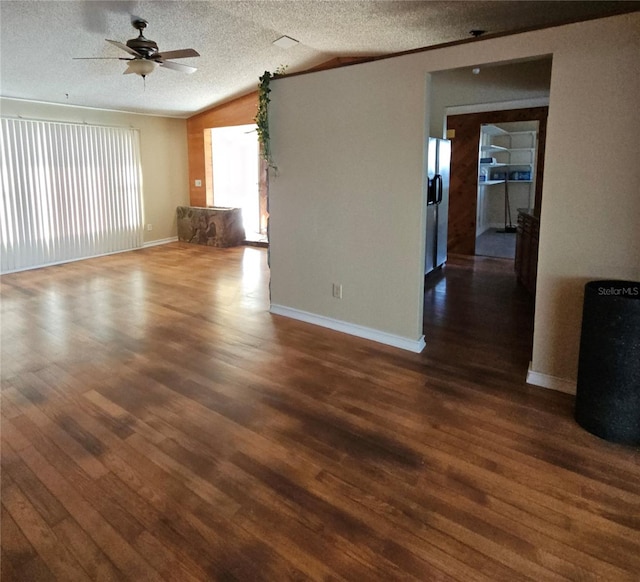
[68, 192]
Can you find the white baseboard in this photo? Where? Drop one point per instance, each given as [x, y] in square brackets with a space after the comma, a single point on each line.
[375, 335]
[161, 241]
[550, 382]
[55, 263]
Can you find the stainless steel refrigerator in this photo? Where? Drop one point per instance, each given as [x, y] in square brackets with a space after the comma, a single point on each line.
[438, 161]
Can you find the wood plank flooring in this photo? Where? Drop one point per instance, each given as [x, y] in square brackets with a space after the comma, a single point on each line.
[159, 424]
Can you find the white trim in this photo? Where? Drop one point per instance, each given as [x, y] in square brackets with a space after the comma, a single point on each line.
[375, 335]
[550, 382]
[44, 265]
[185, 115]
[160, 241]
[496, 106]
[152, 243]
[58, 122]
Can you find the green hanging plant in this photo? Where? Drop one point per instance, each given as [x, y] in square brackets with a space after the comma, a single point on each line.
[262, 116]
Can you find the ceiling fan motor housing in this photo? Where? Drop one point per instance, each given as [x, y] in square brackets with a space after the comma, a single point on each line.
[147, 48]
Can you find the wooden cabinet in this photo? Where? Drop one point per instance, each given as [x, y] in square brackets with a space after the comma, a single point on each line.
[526, 263]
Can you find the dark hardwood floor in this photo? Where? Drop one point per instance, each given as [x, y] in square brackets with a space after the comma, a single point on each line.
[159, 424]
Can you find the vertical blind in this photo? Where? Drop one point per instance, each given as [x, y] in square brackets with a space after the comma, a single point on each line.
[68, 192]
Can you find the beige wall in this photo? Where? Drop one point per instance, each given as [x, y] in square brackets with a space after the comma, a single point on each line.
[590, 221]
[511, 82]
[348, 203]
[163, 143]
[343, 209]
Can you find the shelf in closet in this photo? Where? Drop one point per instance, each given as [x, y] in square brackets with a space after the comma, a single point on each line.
[490, 129]
[494, 182]
[493, 148]
[514, 153]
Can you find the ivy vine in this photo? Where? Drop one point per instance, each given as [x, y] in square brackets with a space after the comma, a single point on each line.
[262, 116]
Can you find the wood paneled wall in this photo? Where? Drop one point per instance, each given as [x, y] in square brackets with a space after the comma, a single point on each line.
[240, 111]
[463, 189]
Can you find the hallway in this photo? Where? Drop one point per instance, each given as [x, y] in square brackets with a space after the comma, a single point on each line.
[475, 313]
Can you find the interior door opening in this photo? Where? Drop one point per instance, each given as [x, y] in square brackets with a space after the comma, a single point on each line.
[484, 301]
[235, 159]
[506, 184]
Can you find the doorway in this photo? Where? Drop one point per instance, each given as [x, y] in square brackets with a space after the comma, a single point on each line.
[235, 160]
[477, 297]
[465, 167]
[506, 184]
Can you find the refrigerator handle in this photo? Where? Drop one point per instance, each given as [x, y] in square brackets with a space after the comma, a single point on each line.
[431, 190]
[438, 186]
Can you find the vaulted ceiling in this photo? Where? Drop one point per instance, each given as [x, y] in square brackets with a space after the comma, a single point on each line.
[39, 40]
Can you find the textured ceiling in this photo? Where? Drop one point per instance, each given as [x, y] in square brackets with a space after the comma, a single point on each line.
[39, 38]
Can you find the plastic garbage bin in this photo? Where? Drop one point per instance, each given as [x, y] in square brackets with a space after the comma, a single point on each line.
[608, 388]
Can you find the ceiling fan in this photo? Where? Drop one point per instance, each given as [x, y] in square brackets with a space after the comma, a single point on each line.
[145, 56]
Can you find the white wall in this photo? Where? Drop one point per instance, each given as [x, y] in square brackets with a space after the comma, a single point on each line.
[348, 205]
[163, 144]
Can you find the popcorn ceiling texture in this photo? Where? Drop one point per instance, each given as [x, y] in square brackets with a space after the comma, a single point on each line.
[38, 40]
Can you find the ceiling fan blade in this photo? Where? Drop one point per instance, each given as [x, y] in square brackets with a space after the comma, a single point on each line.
[100, 59]
[181, 54]
[124, 47]
[178, 67]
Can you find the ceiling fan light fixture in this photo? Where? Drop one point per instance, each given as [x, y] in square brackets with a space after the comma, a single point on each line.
[141, 67]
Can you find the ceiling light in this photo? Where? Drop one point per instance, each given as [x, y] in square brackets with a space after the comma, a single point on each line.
[476, 70]
[141, 67]
[285, 42]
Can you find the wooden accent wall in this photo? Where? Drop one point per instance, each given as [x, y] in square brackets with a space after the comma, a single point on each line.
[463, 188]
[240, 111]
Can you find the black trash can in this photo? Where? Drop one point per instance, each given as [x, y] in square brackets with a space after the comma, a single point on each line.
[608, 389]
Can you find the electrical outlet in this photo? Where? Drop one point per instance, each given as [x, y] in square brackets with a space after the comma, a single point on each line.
[149, 226]
[337, 290]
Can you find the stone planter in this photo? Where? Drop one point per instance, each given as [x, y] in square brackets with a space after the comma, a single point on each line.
[214, 227]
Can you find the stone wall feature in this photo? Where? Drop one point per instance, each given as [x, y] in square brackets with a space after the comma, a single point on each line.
[214, 227]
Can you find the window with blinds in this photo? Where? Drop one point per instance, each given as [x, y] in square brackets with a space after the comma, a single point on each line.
[68, 192]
